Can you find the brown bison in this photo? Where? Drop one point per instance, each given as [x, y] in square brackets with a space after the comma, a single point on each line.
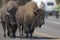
[28, 17]
[8, 18]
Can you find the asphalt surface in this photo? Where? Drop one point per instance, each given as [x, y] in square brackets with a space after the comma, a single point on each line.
[49, 31]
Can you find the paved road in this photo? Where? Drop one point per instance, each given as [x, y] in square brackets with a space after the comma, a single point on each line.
[49, 31]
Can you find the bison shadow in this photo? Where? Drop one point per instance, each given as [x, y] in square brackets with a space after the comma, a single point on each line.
[35, 37]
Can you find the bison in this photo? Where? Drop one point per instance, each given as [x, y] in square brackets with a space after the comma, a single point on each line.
[8, 18]
[28, 17]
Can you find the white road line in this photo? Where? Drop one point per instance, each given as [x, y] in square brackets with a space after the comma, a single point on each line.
[53, 22]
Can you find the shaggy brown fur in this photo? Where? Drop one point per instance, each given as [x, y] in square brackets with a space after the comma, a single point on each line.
[26, 11]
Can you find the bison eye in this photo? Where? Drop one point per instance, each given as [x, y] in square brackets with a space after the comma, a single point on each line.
[35, 13]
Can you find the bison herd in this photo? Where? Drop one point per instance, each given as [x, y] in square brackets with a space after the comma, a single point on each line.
[23, 17]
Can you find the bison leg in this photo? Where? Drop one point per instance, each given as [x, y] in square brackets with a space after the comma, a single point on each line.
[14, 35]
[22, 31]
[27, 34]
[30, 35]
[26, 30]
[11, 33]
[14, 29]
[8, 31]
[31, 32]
[4, 28]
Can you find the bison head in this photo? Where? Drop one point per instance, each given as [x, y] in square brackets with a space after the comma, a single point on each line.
[39, 17]
[11, 15]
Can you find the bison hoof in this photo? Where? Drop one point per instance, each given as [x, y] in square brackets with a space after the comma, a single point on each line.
[30, 36]
[21, 36]
[5, 36]
[27, 36]
[12, 36]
